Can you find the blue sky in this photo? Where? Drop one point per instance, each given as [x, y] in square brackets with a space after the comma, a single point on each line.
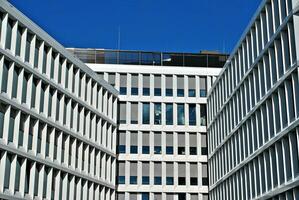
[153, 25]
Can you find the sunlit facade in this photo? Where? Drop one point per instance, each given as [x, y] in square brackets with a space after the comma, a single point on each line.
[57, 118]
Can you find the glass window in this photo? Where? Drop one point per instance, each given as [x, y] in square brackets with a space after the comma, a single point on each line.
[204, 148]
[122, 112]
[193, 151]
[157, 150]
[158, 113]
[157, 91]
[134, 113]
[180, 86]
[133, 149]
[157, 180]
[180, 92]
[182, 181]
[169, 180]
[4, 76]
[121, 149]
[146, 92]
[169, 92]
[203, 86]
[191, 86]
[169, 150]
[146, 113]
[157, 85]
[133, 180]
[181, 150]
[192, 114]
[193, 180]
[123, 84]
[145, 180]
[181, 114]
[169, 114]
[182, 196]
[145, 196]
[203, 115]
[134, 86]
[122, 90]
[169, 86]
[121, 179]
[145, 149]
[146, 85]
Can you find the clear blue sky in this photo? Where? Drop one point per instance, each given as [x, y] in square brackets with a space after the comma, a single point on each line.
[153, 25]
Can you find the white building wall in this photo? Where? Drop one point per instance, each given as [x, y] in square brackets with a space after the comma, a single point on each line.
[57, 118]
[179, 160]
[253, 111]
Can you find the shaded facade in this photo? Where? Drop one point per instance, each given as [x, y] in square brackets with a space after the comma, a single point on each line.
[253, 110]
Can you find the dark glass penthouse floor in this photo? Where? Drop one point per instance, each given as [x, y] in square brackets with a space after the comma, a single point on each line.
[103, 56]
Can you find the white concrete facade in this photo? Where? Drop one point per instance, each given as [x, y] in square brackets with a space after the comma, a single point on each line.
[253, 111]
[57, 118]
[158, 154]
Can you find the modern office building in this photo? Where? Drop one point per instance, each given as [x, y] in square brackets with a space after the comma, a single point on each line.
[253, 118]
[162, 142]
[57, 118]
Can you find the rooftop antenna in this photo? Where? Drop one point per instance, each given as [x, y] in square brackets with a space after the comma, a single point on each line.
[119, 35]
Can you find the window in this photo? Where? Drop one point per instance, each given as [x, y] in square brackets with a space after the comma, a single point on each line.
[182, 196]
[145, 143]
[193, 151]
[182, 181]
[157, 142]
[157, 84]
[157, 113]
[193, 181]
[181, 151]
[146, 92]
[121, 149]
[180, 86]
[169, 180]
[146, 85]
[145, 196]
[181, 114]
[169, 114]
[145, 180]
[169, 150]
[157, 180]
[157, 149]
[122, 142]
[133, 149]
[123, 84]
[181, 144]
[111, 79]
[134, 86]
[192, 114]
[191, 86]
[205, 180]
[133, 180]
[4, 76]
[204, 148]
[121, 179]
[146, 113]
[203, 86]
[203, 115]
[169, 86]
[193, 143]
[134, 113]
[122, 112]
[10, 24]
[122, 90]
[145, 149]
